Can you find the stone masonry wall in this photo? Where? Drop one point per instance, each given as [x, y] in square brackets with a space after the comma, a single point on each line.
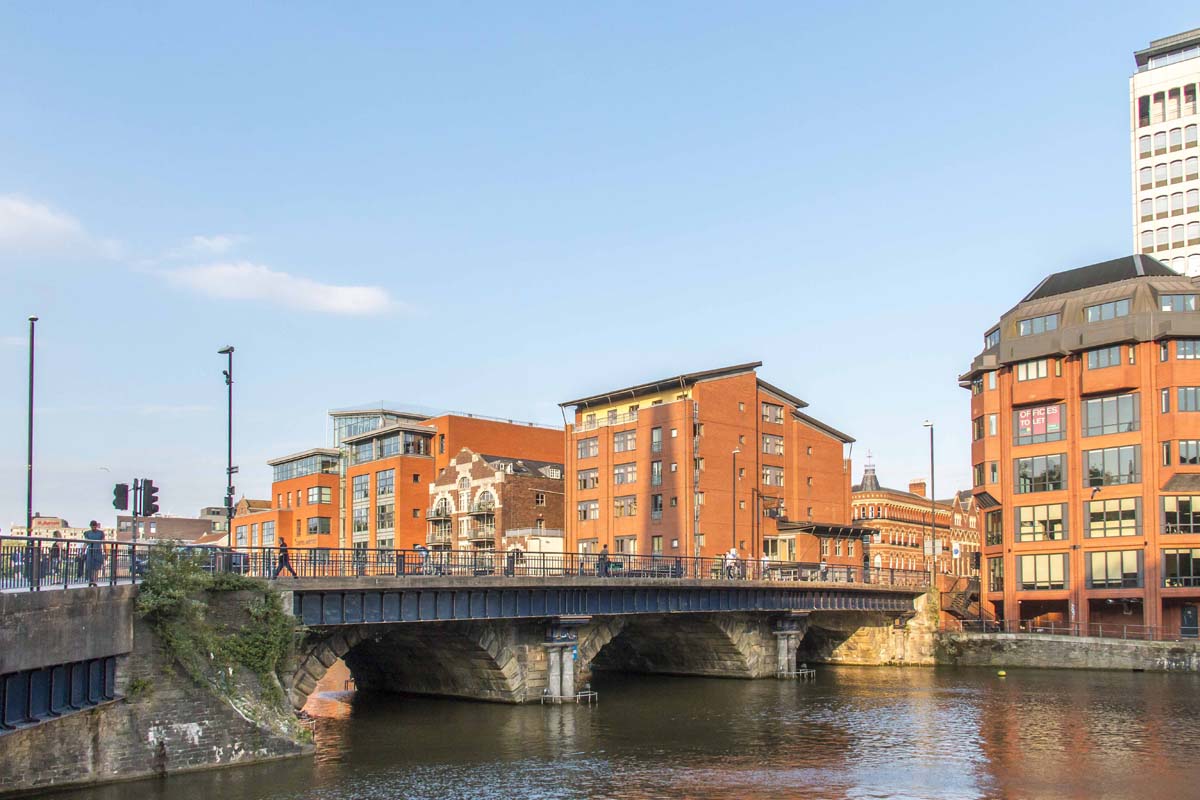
[871, 638]
[162, 722]
[1065, 652]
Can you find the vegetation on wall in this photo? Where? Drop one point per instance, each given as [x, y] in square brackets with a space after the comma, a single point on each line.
[174, 599]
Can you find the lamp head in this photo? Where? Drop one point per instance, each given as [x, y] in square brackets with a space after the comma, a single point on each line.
[226, 351]
[927, 424]
[33, 319]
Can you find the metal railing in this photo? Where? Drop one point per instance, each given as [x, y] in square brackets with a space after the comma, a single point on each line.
[1104, 630]
[332, 563]
[35, 564]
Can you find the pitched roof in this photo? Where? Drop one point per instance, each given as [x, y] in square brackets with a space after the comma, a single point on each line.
[1118, 269]
[524, 466]
[816, 423]
[1183, 482]
[313, 451]
[686, 379]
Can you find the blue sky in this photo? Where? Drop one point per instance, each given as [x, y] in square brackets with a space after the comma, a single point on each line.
[496, 207]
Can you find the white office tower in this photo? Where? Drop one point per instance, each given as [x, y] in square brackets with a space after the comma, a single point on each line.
[1166, 158]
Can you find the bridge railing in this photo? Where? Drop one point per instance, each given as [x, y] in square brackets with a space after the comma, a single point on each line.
[35, 563]
[362, 562]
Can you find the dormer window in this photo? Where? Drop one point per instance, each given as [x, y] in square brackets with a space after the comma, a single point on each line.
[1107, 311]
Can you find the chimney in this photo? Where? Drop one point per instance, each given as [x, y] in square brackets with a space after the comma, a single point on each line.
[917, 486]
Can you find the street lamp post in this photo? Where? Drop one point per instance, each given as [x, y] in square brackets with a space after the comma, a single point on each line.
[29, 452]
[733, 502]
[229, 468]
[932, 509]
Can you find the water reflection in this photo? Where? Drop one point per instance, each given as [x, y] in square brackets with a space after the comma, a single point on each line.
[853, 733]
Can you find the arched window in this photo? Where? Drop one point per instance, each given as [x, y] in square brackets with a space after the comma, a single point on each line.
[1160, 141]
[1189, 135]
[1176, 137]
[1193, 265]
[1160, 173]
[1177, 203]
[485, 501]
[1193, 198]
[1176, 235]
[443, 507]
[1193, 231]
[1193, 167]
[1161, 237]
[1146, 208]
[1146, 177]
[1176, 170]
[1144, 145]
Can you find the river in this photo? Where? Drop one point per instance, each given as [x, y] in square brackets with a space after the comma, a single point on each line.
[852, 733]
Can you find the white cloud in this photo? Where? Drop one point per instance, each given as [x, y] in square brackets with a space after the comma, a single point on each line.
[31, 229]
[243, 280]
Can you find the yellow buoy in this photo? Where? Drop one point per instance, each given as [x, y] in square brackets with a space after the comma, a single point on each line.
[1002, 673]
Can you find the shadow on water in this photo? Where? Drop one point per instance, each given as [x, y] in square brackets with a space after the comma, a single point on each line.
[853, 733]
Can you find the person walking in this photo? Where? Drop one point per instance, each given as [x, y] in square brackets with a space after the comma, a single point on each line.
[423, 552]
[602, 562]
[285, 562]
[55, 556]
[93, 556]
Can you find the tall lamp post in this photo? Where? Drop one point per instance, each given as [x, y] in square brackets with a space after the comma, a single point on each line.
[29, 452]
[932, 509]
[229, 468]
[733, 502]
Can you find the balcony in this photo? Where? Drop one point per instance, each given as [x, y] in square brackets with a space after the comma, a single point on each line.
[439, 536]
[482, 533]
[482, 509]
[438, 512]
[606, 421]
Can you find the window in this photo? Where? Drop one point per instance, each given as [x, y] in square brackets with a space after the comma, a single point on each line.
[991, 381]
[1114, 569]
[656, 545]
[625, 506]
[1032, 370]
[978, 470]
[993, 526]
[1144, 148]
[385, 482]
[977, 429]
[1187, 349]
[268, 533]
[1145, 177]
[772, 444]
[318, 525]
[1162, 351]
[1166, 454]
[1113, 466]
[359, 522]
[1177, 302]
[656, 440]
[1039, 474]
[624, 441]
[1189, 451]
[587, 448]
[1193, 198]
[1181, 514]
[1041, 523]
[993, 472]
[772, 413]
[1160, 141]
[362, 451]
[625, 473]
[319, 494]
[992, 424]
[1039, 424]
[539, 499]
[589, 478]
[1189, 398]
[1045, 571]
[1117, 414]
[1106, 311]
[240, 535]
[385, 516]
[824, 548]
[656, 507]
[992, 339]
[589, 509]
[441, 443]
[1116, 517]
[389, 446]
[1036, 325]
[1176, 207]
[361, 487]
[772, 476]
[1181, 567]
[656, 473]
[995, 574]
[1104, 357]
[1164, 401]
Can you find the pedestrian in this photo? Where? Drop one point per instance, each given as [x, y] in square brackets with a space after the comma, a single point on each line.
[55, 555]
[732, 562]
[285, 562]
[602, 562]
[94, 554]
[765, 567]
[510, 562]
[423, 552]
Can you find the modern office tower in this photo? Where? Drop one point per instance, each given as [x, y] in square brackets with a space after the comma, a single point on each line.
[1085, 404]
[1166, 158]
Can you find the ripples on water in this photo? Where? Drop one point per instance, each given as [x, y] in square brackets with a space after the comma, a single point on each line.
[854, 733]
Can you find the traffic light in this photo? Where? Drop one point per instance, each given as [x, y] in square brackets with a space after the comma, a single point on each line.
[149, 498]
[121, 496]
[976, 560]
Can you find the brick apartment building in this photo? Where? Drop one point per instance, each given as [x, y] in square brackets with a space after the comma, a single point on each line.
[652, 469]
[1086, 407]
[492, 503]
[899, 520]
[370, 489]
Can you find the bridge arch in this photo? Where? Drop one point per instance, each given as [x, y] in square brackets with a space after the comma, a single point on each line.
[475, 660]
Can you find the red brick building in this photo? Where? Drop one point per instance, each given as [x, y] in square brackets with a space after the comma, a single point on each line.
[492, 503]
[697, 463]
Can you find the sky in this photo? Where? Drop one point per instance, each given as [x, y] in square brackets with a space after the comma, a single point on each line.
[497, 207]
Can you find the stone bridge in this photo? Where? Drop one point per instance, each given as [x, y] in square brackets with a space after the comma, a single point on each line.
[537, 639]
